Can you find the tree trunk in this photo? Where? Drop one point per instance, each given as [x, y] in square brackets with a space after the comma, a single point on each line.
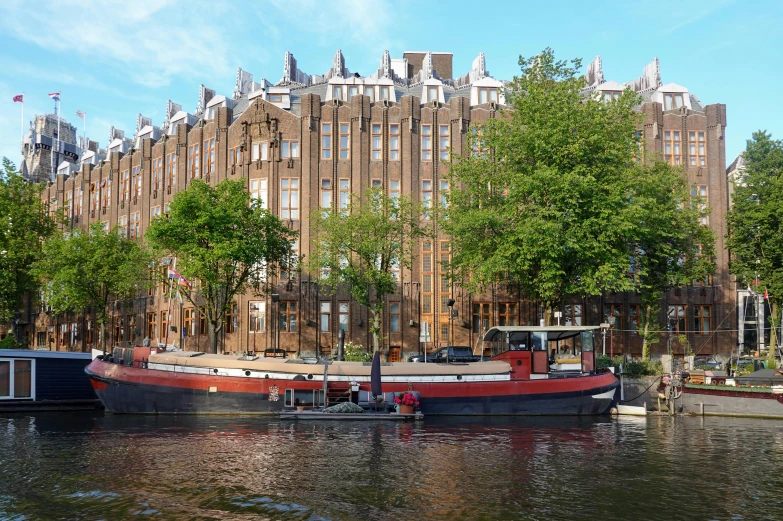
[645, 343]
[774, 320]
[376, 328]
[213, 339]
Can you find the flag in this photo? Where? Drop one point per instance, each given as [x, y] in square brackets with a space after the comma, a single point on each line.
[55, 95]
[750, 291]
[19, 98]
[766, 294]
[80, 114]
[172, 274]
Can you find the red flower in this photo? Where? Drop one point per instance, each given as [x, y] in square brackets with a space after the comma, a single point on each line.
[407, 398]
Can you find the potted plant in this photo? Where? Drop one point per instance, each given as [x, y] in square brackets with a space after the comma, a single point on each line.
[406, 402]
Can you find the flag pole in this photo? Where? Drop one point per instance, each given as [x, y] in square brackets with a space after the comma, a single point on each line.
[168, 309]
[22, 134]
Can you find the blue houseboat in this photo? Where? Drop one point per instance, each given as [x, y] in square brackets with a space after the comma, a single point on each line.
[44, 381]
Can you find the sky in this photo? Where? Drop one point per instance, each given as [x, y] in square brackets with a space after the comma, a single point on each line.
[114, 59]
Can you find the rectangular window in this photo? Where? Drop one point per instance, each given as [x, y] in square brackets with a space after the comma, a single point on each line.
[275, 98]
[152, 326]
[193, 161]
[482, 317]
[376, 183]
[326, 194]
[394, 317]
[426, 271]
[326, 316]
[426, 198]
[477, 144]
[443, 192]
[135, 225]
[385, 92]
[136, 174]
[189, 322]
[507, 314]
[257, 316]
[288, 315]
[394, 142]
[122, 225]
[697, 149]
[288, 266]
[676, 317]
[105, 193]
[426, 142]
[337, 92]
[157, 174]
[634, 318]
[572, 314]
[16, 378]
[353, 90]
[289, 149]
[376, 142]
[345, 141]
[345, 193]
[443, 139]
[154, 212]
[343, 316]
[209, 156]
[289, 198]
[672, 101]
[369, 91]
[394, 189]
[171, 169]
[671, 147]
[231, 321]
[700, 197]
[703, 320]
[326, 141]
[487, 95]
[432, 93]
[616, 311]
[164, 324]
[68, 206]
[125, 186]
[203, 325]
[77, 202]
[235, 156]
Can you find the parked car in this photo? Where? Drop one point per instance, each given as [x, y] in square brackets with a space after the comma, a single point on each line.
[450, 354]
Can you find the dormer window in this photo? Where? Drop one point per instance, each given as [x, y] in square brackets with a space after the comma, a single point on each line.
[384, 92]
[275, 98]
[611, 95]
[353, 90]
[211, 112]
[432, 93]
[672, 100]
[369, 91]
[487, 94]
[337, 92]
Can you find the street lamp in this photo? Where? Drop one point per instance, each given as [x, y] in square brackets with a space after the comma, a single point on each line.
[612, 319]
[450, 305]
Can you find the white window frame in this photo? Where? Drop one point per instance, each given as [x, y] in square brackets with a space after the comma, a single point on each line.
[11, 379]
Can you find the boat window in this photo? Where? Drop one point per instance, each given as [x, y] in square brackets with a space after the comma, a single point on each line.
[587, 340]
[16, 379]
[539, 341]
[518, 341]
[305, 398]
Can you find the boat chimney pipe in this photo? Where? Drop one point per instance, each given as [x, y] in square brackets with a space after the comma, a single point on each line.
[341, 345]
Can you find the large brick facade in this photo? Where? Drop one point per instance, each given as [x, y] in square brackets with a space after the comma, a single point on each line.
[343, 133]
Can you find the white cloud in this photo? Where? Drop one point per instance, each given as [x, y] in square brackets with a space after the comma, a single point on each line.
[149, 39]
[691, 17]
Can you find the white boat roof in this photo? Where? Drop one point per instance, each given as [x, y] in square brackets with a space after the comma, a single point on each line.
[282, 365]
[556, 330]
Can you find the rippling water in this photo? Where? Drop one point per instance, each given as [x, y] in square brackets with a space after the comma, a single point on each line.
[95, 466]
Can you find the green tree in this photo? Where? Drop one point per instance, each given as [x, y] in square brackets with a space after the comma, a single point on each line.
[756, 225]
[671, 247]
[24, 224]
[89, 269]
[222, 242]
[544, 197]
[364, 245]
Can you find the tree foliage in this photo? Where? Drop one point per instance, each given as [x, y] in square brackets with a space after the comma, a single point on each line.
[672, 247]
[756, 225]
[363, 246]
[24, 224]
[222, 241]
[544, 197]
[89, 269]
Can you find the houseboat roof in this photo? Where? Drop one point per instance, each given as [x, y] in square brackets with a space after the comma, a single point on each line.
[555, 332]
[31, 353]
[186, 358]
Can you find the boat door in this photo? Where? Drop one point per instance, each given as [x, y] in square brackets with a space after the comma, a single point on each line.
[588, 352]
[540, 353]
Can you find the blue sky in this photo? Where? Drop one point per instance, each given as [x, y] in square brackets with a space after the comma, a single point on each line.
[114, 59]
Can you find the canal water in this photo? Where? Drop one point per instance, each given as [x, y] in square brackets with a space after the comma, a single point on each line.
[104, 466]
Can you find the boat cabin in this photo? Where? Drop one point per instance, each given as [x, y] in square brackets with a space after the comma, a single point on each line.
[536, 352]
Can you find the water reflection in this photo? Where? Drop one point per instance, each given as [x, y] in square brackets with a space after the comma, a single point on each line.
[87, 466]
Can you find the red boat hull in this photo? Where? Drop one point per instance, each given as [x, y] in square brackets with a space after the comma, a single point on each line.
[130, 389]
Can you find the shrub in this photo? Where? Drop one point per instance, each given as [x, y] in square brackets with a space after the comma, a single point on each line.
[9, 342]
[356, 353]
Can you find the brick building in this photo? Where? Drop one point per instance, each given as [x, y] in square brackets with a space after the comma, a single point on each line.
[309, 141]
